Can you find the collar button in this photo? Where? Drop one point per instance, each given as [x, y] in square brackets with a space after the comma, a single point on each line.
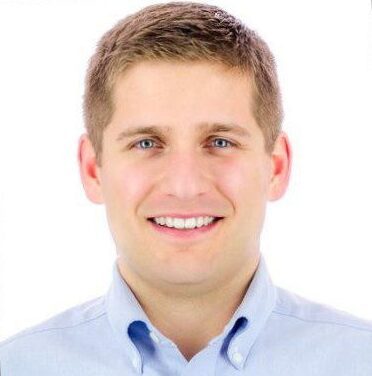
[237, 358]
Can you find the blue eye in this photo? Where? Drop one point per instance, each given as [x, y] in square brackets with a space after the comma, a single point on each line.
[223, 139]
[145, 139]
[145, 142]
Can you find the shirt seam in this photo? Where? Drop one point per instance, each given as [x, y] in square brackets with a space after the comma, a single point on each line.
[37, 331]
[323, 322]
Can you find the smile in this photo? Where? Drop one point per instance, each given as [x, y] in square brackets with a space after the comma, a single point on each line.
[186, 233]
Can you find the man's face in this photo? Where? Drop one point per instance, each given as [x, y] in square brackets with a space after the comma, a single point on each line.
[187, 169]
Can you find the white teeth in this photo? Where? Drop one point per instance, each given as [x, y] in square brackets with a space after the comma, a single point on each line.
[181, 223]
[168, 222]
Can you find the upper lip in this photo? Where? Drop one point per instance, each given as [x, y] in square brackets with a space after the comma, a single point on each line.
[175, 215]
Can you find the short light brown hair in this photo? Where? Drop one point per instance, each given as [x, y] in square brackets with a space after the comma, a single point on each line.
[186, 32]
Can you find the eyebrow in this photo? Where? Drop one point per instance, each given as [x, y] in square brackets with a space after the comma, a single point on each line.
[206, 127]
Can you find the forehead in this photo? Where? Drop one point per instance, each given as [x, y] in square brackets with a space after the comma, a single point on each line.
[181, 80]
[170, 93]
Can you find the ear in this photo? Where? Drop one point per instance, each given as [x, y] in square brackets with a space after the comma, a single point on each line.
[89, 171]
[281, 162]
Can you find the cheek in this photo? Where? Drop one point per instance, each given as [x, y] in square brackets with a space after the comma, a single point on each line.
[243, 181]
[123, 188]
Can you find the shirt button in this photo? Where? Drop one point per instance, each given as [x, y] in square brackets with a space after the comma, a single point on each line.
[154, 337]
[237, 358]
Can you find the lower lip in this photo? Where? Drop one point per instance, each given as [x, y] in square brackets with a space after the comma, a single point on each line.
[185, 233]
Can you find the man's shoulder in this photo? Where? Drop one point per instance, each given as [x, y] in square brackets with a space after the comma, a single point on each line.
[293, 305]
[321, 334]
[331, 331]
[46, 331]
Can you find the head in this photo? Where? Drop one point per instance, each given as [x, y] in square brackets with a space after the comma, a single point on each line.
[192, 72]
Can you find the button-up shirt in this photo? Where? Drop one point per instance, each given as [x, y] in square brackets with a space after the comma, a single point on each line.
[272, 332]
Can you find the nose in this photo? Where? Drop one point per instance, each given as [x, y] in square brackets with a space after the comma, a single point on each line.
[186, 175]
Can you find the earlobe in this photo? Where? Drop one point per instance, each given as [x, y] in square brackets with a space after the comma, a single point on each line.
[89, 171]
[281, 159]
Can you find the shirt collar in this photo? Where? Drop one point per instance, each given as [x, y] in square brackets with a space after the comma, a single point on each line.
[238, 336]
[253, 313]
[123, 309]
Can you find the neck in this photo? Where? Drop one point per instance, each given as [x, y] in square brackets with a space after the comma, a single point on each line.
[194, 319]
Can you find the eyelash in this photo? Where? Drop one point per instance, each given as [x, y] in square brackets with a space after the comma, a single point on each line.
[215, 138]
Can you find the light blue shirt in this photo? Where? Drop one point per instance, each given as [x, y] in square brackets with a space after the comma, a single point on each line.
[273, 332]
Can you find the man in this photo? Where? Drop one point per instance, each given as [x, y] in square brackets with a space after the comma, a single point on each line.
[184, 148]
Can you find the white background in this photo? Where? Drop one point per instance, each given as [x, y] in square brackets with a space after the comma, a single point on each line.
[55, 247]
